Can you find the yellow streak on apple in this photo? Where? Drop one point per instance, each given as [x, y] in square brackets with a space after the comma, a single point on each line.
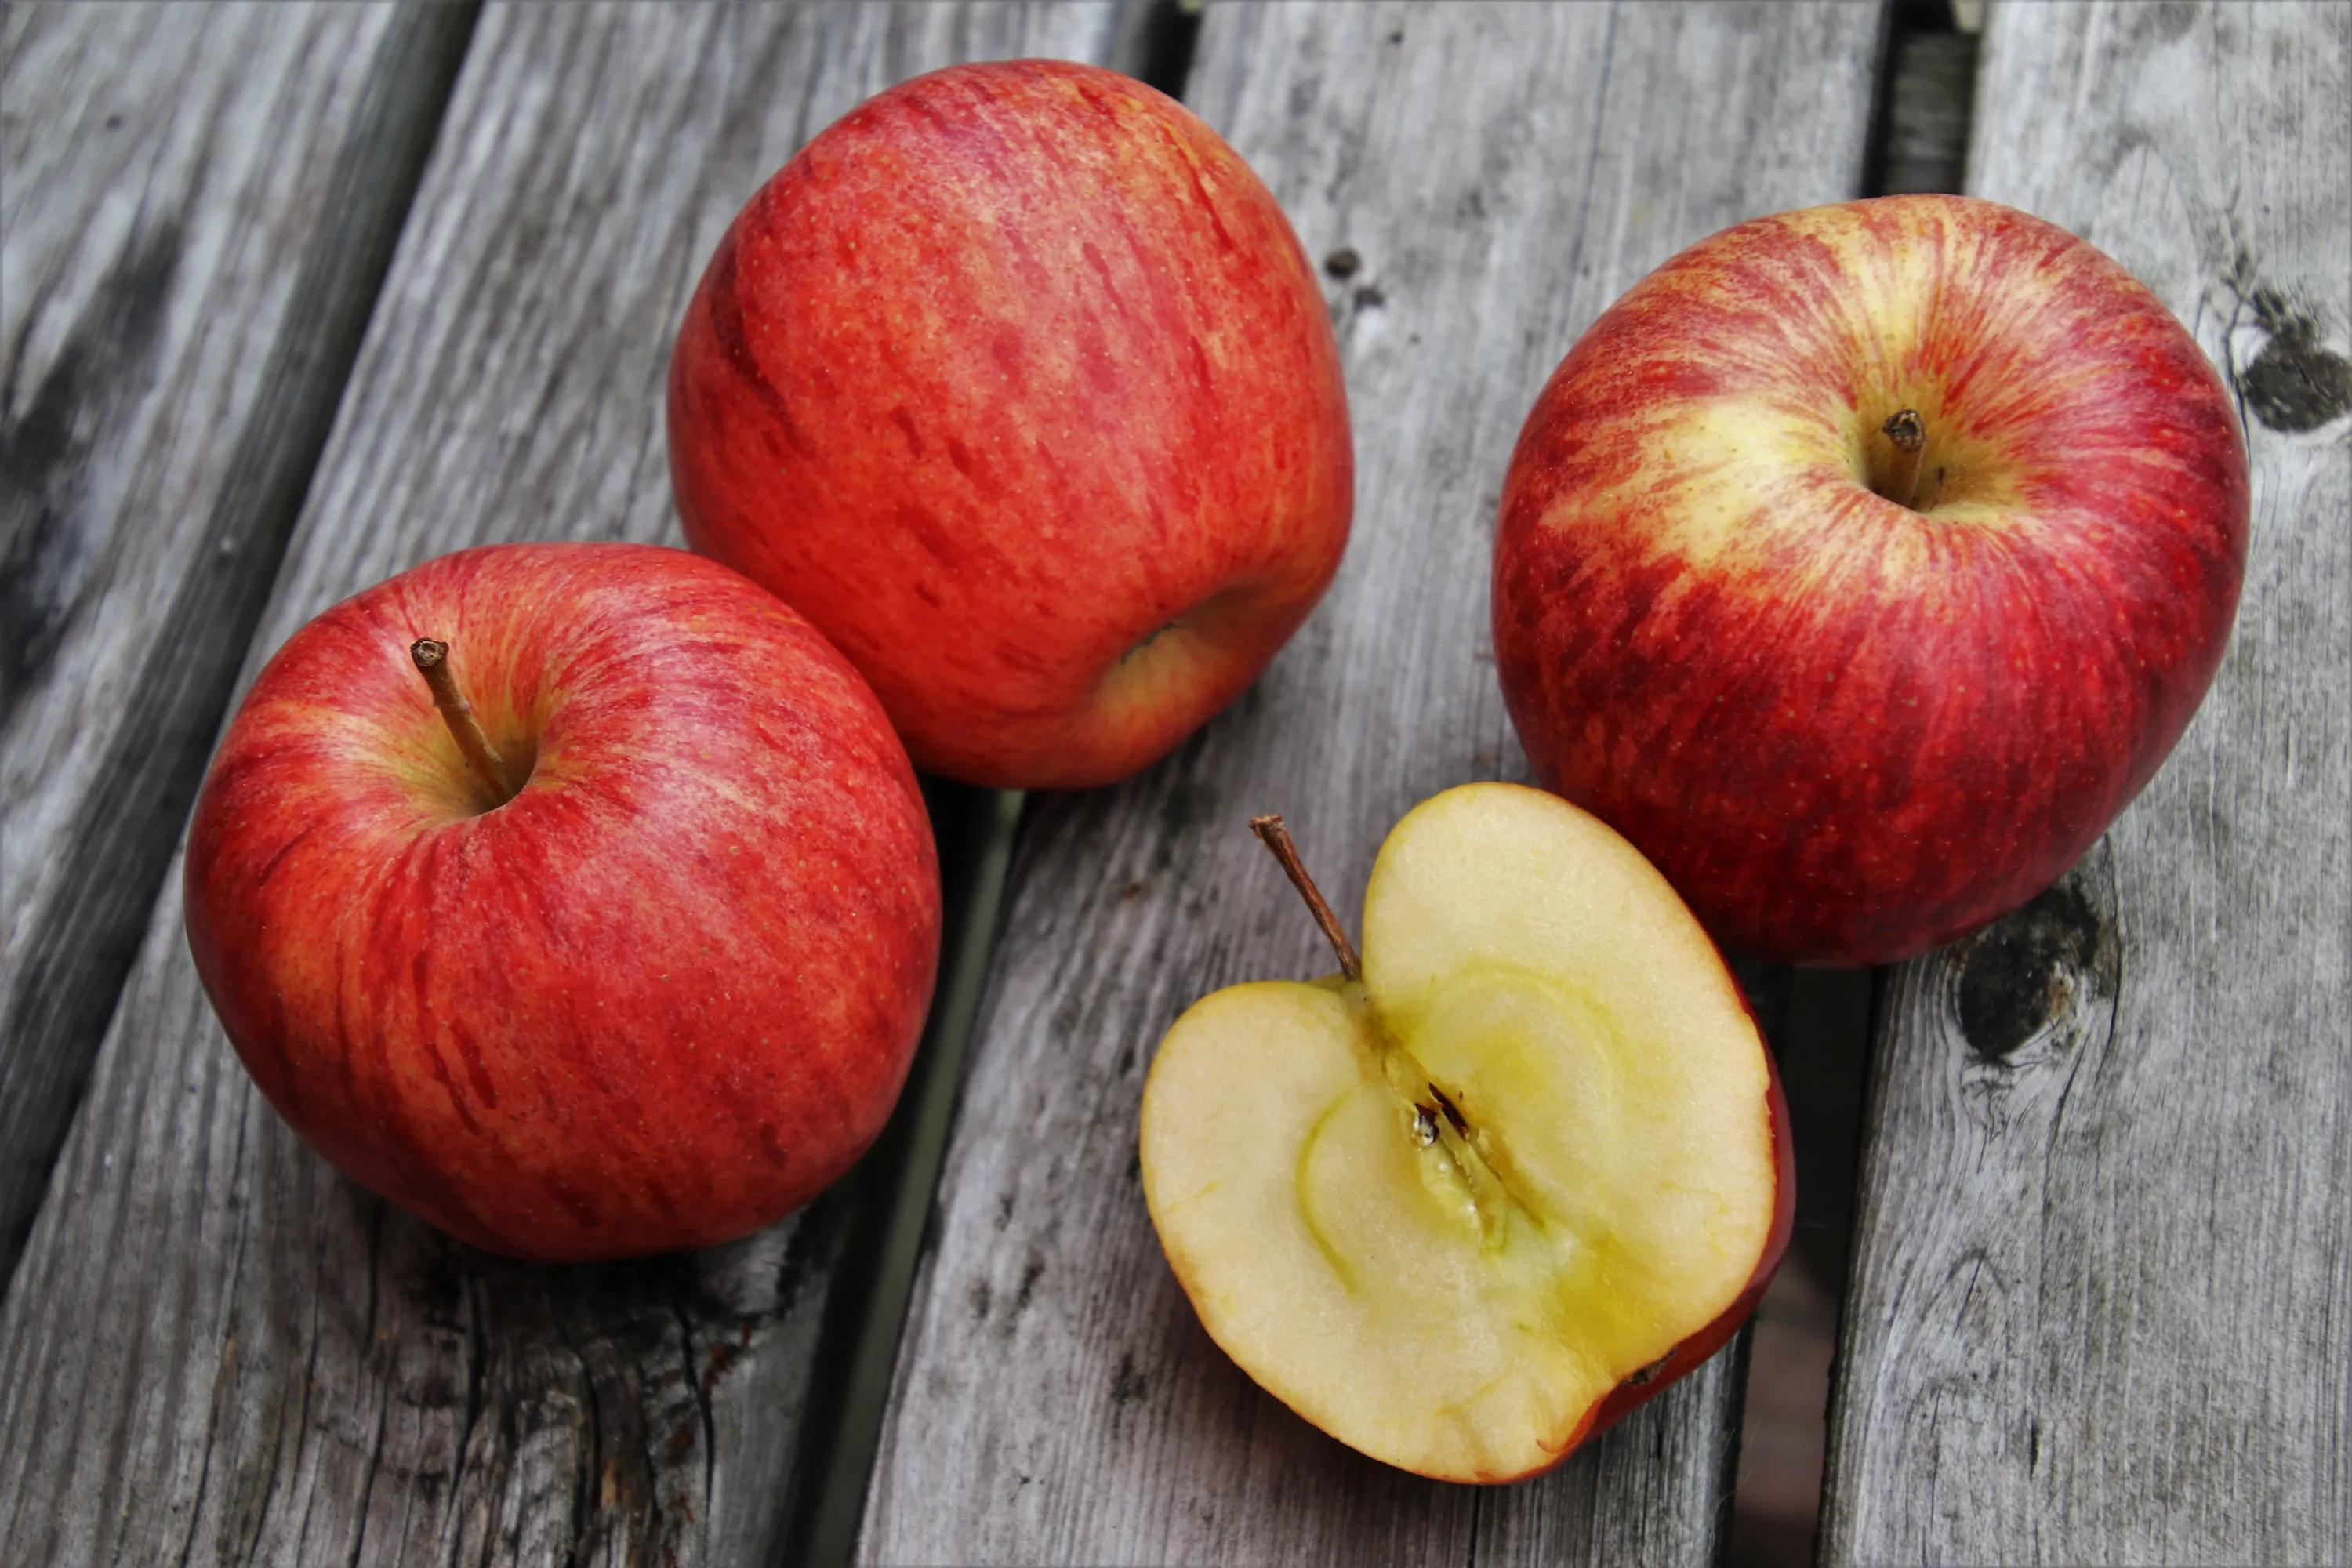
[1454, 1304]
[1799, 438]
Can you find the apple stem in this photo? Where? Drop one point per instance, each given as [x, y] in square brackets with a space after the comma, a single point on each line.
[1276, 837]
[1908, 433]
[433, 662]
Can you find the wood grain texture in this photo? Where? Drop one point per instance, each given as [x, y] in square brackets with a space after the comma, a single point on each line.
[216, 1349]
[1483, 180]
[200, 204]
[2102, 1300]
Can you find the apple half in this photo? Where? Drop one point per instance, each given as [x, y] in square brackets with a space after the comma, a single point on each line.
[1466, 1203]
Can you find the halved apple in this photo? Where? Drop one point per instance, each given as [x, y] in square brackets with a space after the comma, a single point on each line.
[1467, 1203]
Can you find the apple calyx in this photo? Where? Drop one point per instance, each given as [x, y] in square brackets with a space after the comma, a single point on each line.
[431, 656]
[1908, 434]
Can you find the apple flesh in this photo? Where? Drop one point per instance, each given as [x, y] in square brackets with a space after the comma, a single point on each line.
[1017, 382]
[1531, 1164]
[654, 986]
[1852, 715]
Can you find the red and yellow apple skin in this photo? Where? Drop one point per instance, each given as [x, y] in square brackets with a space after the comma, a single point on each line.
[1848, 730]
[1017, 382]
[658, 999]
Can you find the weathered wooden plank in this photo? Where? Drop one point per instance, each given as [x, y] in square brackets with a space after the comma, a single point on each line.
[1478, 181]
[215, 1349]
[2101, 1308]
[200, 204]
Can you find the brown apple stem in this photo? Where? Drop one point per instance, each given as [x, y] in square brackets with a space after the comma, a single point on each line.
[1908, 432]
[433, 662]
[1277, 839]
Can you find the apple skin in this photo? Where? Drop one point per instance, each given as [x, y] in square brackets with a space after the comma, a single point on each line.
[663, 996]
[1846, 730]
[1017, 382]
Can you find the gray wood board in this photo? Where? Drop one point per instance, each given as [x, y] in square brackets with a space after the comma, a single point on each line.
[1500, 174]
[200, 202]
[2101, 1307]
[215, 1347]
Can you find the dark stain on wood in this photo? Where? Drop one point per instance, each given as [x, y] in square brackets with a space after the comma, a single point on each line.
[809, 1251]
[2165, 24]
[2020, 973]
[1184, 809]
[45, 451]
[1127, 1385]
[2293, 383]
[1031, 1271]
[723, 1356]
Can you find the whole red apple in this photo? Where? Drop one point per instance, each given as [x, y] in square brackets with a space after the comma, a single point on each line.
[1861, 564]
[1017, 382]
[627, 950]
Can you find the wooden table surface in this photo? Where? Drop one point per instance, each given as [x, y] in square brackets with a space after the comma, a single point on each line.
[294, 297]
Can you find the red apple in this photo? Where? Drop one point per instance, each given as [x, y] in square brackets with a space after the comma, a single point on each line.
[631, 957]
[1850, 711]
[1017, 383]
